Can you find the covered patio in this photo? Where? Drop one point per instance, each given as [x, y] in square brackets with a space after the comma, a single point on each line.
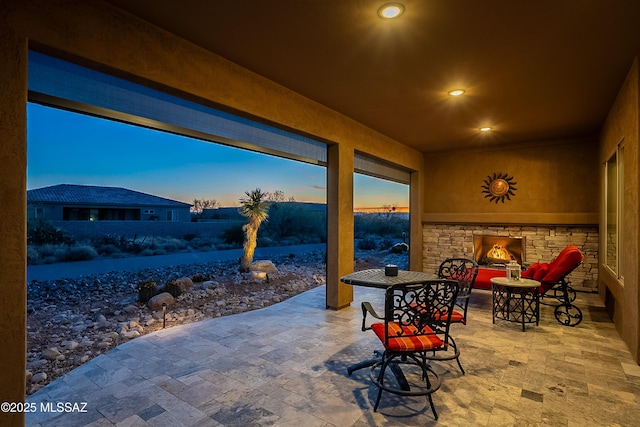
[560, 84]
[286, 365]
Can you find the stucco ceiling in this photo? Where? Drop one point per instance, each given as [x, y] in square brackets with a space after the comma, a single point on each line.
[533, 70]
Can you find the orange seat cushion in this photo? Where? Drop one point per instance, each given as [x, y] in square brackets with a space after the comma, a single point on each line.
[456, 316]
[408, 341]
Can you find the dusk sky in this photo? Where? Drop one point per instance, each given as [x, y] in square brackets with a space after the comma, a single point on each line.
[71, 148]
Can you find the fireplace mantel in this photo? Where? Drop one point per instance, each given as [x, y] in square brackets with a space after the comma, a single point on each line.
[505, 218]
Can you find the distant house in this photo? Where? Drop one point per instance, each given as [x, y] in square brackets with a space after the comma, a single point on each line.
[68, 202]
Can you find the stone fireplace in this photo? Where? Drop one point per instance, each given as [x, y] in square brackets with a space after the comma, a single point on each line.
[535, 243]
[497, 251]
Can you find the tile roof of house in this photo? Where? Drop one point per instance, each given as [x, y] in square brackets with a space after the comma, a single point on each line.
[95, 195]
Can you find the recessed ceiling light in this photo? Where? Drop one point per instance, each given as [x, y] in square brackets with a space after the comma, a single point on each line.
[485, 129]
[390, 10]
[456, 92]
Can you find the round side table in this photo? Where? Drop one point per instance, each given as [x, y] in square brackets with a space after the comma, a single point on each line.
[515, 300]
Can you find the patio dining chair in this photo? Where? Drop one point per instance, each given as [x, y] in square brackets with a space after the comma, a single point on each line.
[409, 335]
[464, 271]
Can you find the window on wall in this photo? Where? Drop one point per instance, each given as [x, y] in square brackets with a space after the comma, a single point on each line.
[613, 209]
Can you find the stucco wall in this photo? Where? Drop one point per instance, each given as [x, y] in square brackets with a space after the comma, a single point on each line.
[557, 183]
[622, 296]
[13, 196]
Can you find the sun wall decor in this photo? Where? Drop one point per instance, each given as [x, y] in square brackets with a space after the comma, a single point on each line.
[499, 187]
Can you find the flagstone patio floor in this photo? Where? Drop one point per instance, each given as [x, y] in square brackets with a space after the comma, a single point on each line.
[285, 365]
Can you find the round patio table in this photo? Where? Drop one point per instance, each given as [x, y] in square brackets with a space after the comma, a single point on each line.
[515, 300]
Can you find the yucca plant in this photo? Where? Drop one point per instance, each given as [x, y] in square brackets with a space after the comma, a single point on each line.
[255, 208]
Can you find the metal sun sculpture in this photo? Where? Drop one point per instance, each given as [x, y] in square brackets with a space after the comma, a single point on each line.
[499, 187]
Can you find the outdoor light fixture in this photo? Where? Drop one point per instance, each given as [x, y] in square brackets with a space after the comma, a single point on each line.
[390, 10]
[456, 92]
[164, 315]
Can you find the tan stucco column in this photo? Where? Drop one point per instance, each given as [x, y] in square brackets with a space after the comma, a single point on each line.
[13, 158]
[339, 224]
[416, 191]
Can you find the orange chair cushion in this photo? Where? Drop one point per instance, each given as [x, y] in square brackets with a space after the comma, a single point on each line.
[408, 342]
[456, 316]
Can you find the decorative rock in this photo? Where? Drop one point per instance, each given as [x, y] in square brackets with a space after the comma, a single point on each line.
[38, 363]
[109, 336]
[29, 375]
[51, 354]
[131, 334]
[39, 377]
[185, 284]
[265, 266]
[82, 359]
[114, 303]
[156, 302]
[79, 328]
[258, 275]
[209, 284]
[130, 309]
[71, 345]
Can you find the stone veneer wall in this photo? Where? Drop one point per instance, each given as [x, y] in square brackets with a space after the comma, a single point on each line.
[543, 243]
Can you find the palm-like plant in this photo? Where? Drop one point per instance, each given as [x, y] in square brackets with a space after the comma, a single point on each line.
[253, 206]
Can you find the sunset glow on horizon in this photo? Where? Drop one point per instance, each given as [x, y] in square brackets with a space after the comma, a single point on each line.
[71, 148]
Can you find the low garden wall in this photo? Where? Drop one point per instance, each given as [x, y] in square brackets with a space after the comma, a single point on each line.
[83, 230]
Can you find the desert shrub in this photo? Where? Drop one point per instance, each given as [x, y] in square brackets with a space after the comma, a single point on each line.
[56, 252]
[265, 241]
[41, 232]
[225, 246]
[107, 249]
[367, 244]
[233, 235]
[169, 244]
[147, 252]
[384, 225]
[292, 220]
[134, 246]
[200, 277]
[80, 252]
[290, 241]
[385, 244]
[203, 243]
[33, 256]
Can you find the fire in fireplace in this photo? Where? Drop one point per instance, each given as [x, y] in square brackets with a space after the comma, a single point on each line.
[498, 250]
